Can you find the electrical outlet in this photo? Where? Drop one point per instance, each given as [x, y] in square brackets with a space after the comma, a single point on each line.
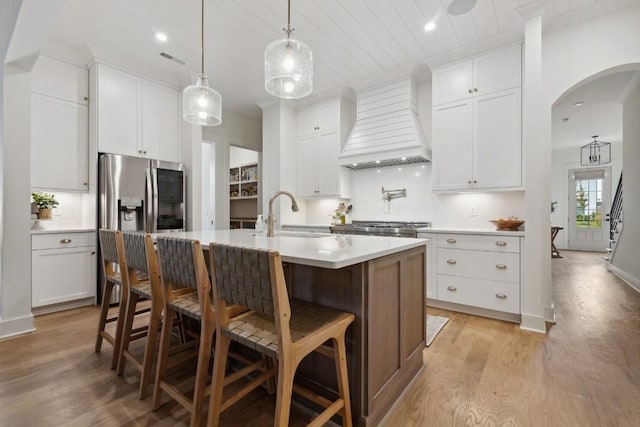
[473, 210]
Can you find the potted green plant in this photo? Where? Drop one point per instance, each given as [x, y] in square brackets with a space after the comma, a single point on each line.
[45, 202]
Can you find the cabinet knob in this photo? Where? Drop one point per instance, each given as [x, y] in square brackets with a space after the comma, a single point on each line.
[86, 98]
[452, 288]
[475, 89]
[139, 151]
[501, 295]
[451, 240]
[93, 252]
[65, 241]
[470, 91]
[451, 261]
[85, 183]
[501, 266]
[501, 243]
[469, 182]
[474, 181]
[144, 152]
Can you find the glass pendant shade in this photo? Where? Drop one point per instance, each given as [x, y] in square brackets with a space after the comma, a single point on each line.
[288, 69]
[201, 105]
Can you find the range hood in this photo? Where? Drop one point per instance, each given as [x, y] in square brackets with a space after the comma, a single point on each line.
[387, 131]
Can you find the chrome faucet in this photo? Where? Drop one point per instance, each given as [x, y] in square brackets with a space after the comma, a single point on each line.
[294, 207]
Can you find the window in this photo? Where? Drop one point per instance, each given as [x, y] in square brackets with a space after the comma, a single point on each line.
[589, 202]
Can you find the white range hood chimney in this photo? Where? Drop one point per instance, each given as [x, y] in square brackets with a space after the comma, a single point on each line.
[387, 130]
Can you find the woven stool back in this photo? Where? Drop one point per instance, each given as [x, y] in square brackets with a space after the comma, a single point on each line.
[177, 264]
[243, 276]
[108, 245]
[135, 251]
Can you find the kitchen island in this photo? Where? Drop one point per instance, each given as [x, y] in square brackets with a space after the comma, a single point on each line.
[379, 279]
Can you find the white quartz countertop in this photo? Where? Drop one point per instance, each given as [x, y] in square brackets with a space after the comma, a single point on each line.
[458, 230]
[314, 249]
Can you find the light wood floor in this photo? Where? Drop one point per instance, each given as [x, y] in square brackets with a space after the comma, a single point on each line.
[479, 372]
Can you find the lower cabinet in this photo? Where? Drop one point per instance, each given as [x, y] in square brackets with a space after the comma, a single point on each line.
[63, 270]
[474, 272]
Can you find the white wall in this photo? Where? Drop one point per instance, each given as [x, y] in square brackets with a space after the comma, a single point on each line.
[626, 254]
[236, 130]
[241, 156]
[562, 161]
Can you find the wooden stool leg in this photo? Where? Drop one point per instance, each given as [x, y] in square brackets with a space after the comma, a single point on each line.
[340, 356]
[202, 369]
[217, 381]
[117, 340]
[104, 311]
[149, 351]
[127, 321]
[286, 373]
[163, 355]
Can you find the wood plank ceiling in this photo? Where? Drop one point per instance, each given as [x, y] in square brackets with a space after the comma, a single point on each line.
[353, 41]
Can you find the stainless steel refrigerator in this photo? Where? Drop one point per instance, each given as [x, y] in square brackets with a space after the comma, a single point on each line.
[140, 194]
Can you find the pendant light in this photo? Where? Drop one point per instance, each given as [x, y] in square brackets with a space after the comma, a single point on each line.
[595, 153]
[202, 105]
[288, 66]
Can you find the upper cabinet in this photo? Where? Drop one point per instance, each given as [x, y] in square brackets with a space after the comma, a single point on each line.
[59, 126]
[322, 130]
[477, 135]
[490, 72]
[135, 116]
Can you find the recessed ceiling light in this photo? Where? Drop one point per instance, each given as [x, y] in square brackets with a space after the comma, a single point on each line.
[354, 164]
[161, 37]
[578, 104]
[403, 158]
[460, 7]
[377, 161]
[430, 26]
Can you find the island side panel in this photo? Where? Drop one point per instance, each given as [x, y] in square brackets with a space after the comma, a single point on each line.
[397, 327]
[343, 289]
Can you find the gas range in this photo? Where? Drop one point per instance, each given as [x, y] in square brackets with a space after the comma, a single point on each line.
[381, 228]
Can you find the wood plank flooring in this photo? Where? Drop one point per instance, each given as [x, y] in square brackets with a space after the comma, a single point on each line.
[479, 372]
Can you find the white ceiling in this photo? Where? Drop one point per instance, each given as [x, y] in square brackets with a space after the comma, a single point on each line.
[601, 113]
[353, 41]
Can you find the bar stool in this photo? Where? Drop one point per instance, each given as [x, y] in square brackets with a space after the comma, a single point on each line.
[182, 265]
[281, 329]
[110, 241]
[141, 260]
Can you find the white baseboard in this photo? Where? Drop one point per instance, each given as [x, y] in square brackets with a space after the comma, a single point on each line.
[17, 326]
[549, 313]
[533, 323]
[629, 279]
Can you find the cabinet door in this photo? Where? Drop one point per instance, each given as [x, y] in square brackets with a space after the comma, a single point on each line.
[452, 83]
[322, 117]
[118, 107]
[60, 80]
[60, 275]
[498, 70]
[452, 145]
[307, 166]
[498, 140]
[328, 169]
[59, 144]
[159, 122]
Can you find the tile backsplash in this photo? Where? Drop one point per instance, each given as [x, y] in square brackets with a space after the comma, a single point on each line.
[74, 211]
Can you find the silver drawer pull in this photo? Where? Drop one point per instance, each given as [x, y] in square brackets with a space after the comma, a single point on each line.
[451, 261]
[501, 243]
[501, 266]
[452, 288]
[65, 241]
[501, 295]
[451, 240]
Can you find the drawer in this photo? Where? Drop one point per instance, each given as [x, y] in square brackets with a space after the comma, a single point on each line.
[495, 266]
[62, 240]
[480, 243]
[479, 293]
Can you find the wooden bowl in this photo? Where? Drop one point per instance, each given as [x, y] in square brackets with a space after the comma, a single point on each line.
[507, 224]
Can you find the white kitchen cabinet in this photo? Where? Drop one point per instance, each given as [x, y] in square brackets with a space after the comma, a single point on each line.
[321, 133]
[478, 274]
[477, 139]
[59, 144]
[63, 270]
[490, 72]
[60, 80]
[135, 117]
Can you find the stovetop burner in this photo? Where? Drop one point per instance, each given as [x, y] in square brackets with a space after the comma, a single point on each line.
[381, 228]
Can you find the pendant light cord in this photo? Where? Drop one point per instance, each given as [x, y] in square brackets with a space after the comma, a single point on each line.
[202, 36]
[289, 30]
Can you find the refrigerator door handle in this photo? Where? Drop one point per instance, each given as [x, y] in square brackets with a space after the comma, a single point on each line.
[152, 199]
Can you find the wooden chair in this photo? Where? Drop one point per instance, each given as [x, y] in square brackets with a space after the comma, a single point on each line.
[141, 260]
[182, 265]
[282, 329]
[110, 241]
